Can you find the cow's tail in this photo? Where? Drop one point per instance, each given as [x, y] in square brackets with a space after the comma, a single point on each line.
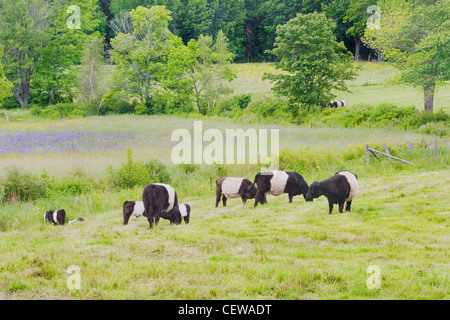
[256, 179]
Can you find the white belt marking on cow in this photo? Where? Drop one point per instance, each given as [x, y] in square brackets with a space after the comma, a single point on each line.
[171, 192]
[183, 210]
[230, 187]
[55, 215]
[353, 182]
[138, 209]
[278, 182]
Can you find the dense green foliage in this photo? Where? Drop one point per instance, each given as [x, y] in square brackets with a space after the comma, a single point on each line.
[172, 56]
[314, 62]
[416, 37]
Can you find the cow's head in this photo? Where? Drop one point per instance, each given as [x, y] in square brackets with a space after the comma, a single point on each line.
[313, 191]
[250, 193]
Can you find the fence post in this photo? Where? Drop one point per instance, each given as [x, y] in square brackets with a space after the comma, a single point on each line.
[428, 146]
[386, 150]
[367, 155]
[446, 142]
[410, 146]
[435, 148]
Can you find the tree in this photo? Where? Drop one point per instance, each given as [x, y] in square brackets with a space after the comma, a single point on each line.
[93, 78]
[141, 53]
[221, 71]
[356, 19]
[415, 36]
[315, 64]
[5, 85]
[204, 66]
[40, 48]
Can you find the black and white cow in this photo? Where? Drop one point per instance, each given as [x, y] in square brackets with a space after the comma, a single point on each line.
[58, 217]
[279, 182]
[340, 188]
[159, 199]
[336, 104]
[230, 187]
[135, 208]
[184, 211]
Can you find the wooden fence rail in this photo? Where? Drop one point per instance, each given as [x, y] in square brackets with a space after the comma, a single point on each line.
[386, 152]
[373, 151]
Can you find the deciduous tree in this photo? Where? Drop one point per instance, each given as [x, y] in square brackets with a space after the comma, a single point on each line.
[315, 64]
[415, 36]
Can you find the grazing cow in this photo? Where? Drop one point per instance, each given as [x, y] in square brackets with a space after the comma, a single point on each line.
[160, 199]
[336, 104]
[184, 211]
[340, 188]
[230, 187]
[130, 208]
[278, 182]
[58, 217]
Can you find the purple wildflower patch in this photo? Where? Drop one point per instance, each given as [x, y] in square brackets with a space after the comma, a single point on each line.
[41, 141]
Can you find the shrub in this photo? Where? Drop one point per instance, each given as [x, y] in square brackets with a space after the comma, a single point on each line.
[78, 182]
[384, 115]
[129, 174]
[132, 173]
[61, 110]
[436, 129]
[187, 168]
[21, 186]
[157, 172]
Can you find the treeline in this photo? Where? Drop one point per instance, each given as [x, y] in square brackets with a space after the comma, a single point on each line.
[166, 56]
[52, 52]
[250, 25]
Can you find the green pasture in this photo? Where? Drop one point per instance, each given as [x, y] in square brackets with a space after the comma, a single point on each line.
[370, 87]
[400, 220]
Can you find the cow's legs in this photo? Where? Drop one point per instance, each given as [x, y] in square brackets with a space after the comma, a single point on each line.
[341, 206]
[347, 205]
[126, 217]
[224, 200]
[157, 216]
[218, 199]
[291, 195]
[330, 205]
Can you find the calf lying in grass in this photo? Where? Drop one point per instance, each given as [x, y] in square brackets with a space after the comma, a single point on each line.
[58, 217]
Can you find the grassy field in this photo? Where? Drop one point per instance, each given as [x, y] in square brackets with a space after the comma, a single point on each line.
[400, 220]
[370, 87]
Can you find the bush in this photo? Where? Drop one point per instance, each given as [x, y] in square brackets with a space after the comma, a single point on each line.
[157, 172]
[77, 183]
[61, 110]
[187, 168]
[436, 129]
[384, 115]
[19, 186]
[129, 175]
[132, 173]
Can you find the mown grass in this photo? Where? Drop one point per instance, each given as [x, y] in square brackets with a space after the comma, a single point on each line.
[276, 251]
[399, 222]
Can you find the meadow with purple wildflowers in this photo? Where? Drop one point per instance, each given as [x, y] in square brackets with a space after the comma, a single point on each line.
[48, 142]
[399, 221]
